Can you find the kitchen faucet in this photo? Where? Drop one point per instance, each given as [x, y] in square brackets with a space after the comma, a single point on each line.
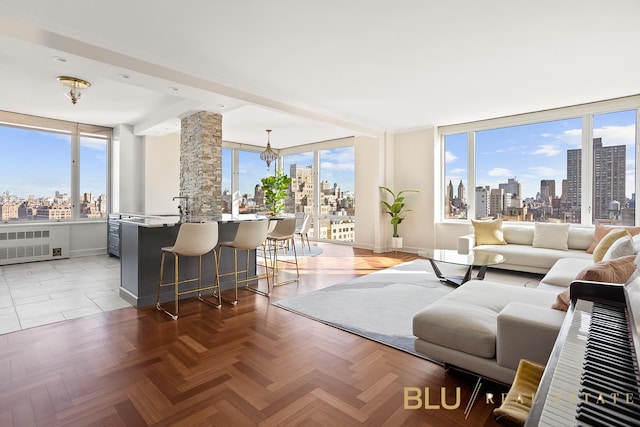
[183, 210]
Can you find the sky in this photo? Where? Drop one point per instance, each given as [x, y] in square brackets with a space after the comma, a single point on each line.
[39, 163]
[336, 165]
[531, 153]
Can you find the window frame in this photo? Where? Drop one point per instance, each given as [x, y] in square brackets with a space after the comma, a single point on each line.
[316, 148]
[583, 111]
[76, 132]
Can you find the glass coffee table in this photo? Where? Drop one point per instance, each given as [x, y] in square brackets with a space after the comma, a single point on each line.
[473, 259]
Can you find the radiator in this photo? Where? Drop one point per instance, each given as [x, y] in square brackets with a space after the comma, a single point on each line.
[33, 242]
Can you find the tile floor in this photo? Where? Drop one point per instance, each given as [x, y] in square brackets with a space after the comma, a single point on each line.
[38, 293]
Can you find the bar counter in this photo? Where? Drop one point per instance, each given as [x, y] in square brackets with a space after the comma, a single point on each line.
[141, 240]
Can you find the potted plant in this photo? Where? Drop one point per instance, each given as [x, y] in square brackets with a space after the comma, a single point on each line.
[396, 209]
[275, 190]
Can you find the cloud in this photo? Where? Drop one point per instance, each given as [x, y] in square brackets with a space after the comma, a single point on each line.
[616, 135]
[544, 172]
[546, 135]
[548, 150]
[500, 172]
[449, 157]
[456, 171]
[337, 166]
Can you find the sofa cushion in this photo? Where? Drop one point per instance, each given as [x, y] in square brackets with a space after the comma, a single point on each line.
[466, 319]
[488, 232]
[524, 255]
[580, 238]
[564, 271]
[605, 243]
[551, 236]
[518, 234]
[621, 247]
[601, 230]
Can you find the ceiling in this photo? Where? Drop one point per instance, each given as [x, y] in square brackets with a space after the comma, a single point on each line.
[314, 71]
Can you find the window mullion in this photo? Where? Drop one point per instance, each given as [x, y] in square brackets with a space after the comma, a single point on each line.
[586, 204]
[75, 174]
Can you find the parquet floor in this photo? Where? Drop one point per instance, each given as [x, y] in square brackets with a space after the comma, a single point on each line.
[244, 365]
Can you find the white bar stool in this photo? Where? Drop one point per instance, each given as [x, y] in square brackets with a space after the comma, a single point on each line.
[279, 238]
[194, 239]
[250, 236]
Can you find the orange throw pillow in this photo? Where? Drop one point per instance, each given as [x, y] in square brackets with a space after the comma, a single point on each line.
[603, 229]
[617, 270]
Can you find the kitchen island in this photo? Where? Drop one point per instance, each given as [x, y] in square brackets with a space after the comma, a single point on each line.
[141, 240]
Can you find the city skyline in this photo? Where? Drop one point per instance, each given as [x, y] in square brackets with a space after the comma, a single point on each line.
[336, 166]
[536, 152]
[38, 163]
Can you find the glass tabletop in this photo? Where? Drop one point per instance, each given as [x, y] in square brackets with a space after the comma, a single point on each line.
[473, 258]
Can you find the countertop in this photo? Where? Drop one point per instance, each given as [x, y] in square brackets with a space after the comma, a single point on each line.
[151, 221]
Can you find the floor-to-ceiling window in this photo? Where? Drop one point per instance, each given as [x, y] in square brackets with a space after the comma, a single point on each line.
[322, 184]
[533, 168]
[52, 170]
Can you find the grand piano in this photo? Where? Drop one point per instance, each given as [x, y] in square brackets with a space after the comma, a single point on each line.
[592, 376]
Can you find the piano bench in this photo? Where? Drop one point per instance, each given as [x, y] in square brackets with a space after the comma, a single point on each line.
[516, 405]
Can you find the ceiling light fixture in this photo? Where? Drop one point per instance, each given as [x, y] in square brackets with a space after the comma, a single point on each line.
[268, 155]
[76, 87]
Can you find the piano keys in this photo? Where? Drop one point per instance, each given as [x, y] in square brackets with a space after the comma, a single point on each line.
[592, 377]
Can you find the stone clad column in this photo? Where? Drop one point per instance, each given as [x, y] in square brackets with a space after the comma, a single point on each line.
[201, 162]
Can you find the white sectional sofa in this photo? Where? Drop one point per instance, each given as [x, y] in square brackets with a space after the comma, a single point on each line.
[521, 255]
[486, 327]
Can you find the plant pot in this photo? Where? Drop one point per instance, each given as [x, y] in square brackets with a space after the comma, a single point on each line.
[396, 242]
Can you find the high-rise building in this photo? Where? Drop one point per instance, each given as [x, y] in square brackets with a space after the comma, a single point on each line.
[511, 186]
[302, 179]
[547, 190]
[482, 202]
[496, 202]
[574, 178]
[461, 191]
[609, 177]
[609, 173]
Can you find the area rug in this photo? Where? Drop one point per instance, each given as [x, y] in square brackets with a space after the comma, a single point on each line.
[379, 306]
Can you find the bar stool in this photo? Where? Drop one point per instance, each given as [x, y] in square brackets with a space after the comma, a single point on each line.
[283, 232]
[194, 239]
[250, 236]
[302, 230]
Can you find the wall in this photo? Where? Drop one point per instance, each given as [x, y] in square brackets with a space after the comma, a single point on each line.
[368, 157]
[87, 238]
[129, 181]
[162, 174]
[415, 166]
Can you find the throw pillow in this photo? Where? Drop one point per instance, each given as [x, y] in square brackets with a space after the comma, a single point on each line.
[488, 232]
[562, 301]
[621, 247]
[614, 271]
[601, 230]
[605, 243]
[551, 236]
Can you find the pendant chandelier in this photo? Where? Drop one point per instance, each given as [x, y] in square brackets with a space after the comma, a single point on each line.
[268, 155]
[75, 87]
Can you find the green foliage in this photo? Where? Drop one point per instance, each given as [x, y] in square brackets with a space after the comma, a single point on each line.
[396, 208]
[275, 190]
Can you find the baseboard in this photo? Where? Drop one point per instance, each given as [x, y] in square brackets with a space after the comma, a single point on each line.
[87, 252]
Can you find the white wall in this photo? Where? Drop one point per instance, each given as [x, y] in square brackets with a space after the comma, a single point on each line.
[414, 167]
[128, 181]
[162, 174]
[368, 158]
[87, 238]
